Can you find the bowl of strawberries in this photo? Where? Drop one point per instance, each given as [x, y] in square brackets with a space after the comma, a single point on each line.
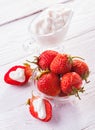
[59, 76]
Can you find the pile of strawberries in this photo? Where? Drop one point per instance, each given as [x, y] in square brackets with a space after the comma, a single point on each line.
[57, 74]
[61, 74]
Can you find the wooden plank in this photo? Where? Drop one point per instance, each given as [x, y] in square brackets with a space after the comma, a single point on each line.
[11, 11]
[80, 40]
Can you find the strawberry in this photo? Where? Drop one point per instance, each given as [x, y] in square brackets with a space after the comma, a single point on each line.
[61, 94]
[45, 59]
[49, 83]
[40, 108]
[61, 64]
[71, 84]
[81, 68]
[18, 75]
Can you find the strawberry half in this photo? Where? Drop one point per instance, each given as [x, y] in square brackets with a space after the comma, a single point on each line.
[71, 84]
[40, 108]
[18, 75]
[49, 83]
[81, 68]
[61, 64]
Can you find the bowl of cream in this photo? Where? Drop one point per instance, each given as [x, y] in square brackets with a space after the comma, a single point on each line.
[49, 28]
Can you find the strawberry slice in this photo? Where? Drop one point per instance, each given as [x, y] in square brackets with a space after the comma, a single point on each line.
[40, 108]
[18, 75]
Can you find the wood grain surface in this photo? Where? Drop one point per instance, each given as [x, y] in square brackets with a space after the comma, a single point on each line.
[80, 40]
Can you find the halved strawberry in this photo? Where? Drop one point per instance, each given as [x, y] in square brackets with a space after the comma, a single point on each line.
[40, 108]
[18, 75]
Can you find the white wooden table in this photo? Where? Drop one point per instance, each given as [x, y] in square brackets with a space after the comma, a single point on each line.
[80, 40]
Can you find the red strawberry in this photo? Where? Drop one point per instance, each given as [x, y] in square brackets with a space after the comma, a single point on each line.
[42, 110]
[81, 68]
[61, 94]
[45, 59]
[71, 84]
[49, 84]
[18, 75]
[61, 64]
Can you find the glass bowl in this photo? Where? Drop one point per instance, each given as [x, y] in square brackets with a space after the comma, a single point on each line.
[51, 39]
[54, 99]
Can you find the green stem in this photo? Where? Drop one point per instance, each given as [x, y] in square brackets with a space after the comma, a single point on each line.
[77, 57]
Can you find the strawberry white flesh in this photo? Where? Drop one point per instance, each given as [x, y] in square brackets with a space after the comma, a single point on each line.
[39, 107]
[18, 75]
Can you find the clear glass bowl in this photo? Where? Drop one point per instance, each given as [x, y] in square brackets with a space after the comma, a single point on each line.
[55, 99]
[49, 40]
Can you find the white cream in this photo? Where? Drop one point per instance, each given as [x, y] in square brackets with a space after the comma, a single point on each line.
[50, 20]
[18, 75]
[39, 107]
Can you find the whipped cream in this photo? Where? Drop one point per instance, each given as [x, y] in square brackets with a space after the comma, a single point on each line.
[18, 75]
[51, 20]
[39, 107]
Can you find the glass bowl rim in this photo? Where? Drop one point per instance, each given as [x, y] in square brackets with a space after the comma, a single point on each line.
[48, 97]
